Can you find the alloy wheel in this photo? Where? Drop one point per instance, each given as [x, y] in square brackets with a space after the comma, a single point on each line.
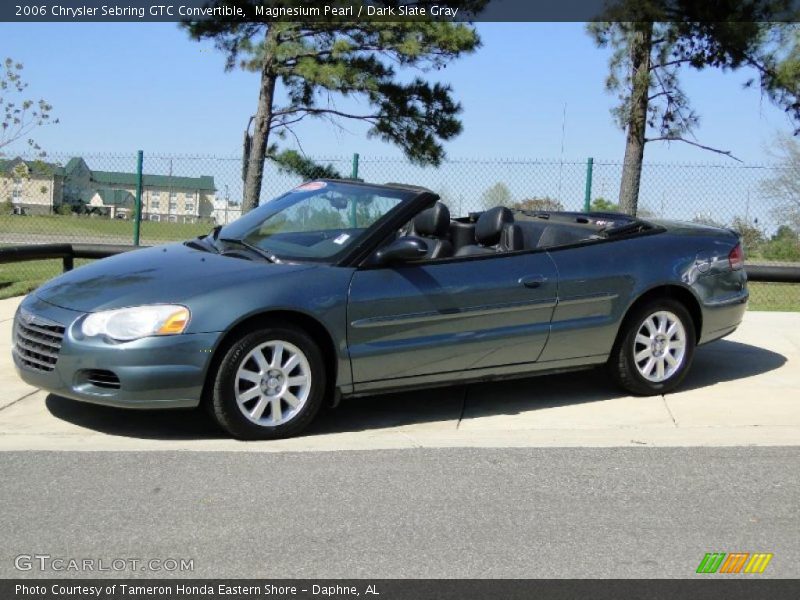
[272, 383]
[659, 348]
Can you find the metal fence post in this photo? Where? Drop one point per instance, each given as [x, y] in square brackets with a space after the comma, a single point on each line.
[587, 198]
[354, 175]
[137, 211]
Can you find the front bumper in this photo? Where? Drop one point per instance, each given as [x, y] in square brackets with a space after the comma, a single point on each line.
[154, 372]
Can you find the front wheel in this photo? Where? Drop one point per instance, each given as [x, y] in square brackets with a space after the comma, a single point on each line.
[270, 384]
[654, 349]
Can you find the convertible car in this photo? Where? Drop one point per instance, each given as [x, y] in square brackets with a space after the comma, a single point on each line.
[340, 288]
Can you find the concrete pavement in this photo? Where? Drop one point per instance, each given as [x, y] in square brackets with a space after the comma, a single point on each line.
[744, 390]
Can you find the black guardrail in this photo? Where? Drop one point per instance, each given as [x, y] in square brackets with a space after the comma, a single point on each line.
[69, 252]
[773, 273]
[66, 252]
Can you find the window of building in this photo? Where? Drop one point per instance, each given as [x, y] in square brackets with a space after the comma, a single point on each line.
[173, 218]
[154, 204]
[16, 194]
[155, 217]
[189, 206]
[155, 195]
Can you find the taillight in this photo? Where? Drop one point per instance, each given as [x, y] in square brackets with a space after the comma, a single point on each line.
[736, 257]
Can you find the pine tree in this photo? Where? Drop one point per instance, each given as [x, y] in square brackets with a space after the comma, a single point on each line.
[652, 40]
[316, 62]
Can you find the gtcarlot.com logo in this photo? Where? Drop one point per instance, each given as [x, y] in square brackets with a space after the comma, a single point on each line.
[734, 562]
[46, 562]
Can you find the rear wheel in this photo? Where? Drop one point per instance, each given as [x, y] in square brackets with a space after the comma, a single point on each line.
[654, 349]
[270, 384]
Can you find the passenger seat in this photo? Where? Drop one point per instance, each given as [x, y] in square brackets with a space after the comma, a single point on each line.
[495, 231]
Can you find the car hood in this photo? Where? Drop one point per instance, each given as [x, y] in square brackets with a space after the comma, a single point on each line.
[164, 274]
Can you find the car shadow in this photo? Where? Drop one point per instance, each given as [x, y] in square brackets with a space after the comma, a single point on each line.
[720, 362]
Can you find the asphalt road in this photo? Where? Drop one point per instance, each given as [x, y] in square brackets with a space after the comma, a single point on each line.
[457, 512]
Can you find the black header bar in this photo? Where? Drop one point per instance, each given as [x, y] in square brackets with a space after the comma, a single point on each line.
[395, 10]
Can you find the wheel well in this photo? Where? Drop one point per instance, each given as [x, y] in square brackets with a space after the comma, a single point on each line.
[285, 317]
[675, 292]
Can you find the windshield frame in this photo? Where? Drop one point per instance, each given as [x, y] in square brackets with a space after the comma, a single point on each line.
[411, 200]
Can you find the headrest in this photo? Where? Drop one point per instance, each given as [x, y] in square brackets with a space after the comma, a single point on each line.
[490, 225]
[434, 221]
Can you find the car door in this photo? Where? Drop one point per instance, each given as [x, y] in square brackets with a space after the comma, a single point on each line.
[435, 319]
[596, 281]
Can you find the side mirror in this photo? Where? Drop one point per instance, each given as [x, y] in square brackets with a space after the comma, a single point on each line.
[406, 249]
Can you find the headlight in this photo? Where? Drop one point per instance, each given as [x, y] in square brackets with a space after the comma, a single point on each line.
[127, 324]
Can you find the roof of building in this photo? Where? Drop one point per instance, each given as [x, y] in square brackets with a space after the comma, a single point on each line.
[116, 197]
[35, 167]
[112, 178]
[73, 163]
[204, 182]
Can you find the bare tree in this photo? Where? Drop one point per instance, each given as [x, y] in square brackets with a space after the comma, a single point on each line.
[20, 115]
[784, 186]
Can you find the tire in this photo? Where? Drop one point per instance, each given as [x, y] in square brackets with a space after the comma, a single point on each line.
[660, 365]
[257, 395]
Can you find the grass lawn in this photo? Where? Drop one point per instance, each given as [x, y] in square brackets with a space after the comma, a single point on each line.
[774, 296]
[93, 227]
[17, 279]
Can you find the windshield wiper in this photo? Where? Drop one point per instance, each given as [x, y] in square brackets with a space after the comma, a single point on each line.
[260, 251]
[200, 244]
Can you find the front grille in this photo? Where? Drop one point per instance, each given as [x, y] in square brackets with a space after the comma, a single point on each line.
[102, 378]
[37, 341]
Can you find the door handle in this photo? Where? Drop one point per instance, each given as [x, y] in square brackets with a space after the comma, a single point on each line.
[532, 281]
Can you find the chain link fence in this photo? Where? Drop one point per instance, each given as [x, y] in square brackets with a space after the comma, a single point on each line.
[90, 198]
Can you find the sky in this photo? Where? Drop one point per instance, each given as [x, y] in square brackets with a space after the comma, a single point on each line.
[533, 90]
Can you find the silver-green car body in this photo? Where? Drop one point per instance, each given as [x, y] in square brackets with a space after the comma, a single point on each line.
[381, 327]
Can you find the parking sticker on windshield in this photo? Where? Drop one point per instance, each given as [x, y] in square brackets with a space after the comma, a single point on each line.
[311, 186]
[341, 239]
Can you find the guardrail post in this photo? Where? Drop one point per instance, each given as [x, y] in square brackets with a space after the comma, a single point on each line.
[68, 263]
[587, 197]
[137, 210]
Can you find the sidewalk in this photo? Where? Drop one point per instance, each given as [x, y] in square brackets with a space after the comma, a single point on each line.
[744, 390]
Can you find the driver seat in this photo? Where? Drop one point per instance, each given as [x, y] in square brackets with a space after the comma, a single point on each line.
[433, 226]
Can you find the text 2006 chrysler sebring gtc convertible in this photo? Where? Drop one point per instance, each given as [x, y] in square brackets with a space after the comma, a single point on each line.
[343, 288]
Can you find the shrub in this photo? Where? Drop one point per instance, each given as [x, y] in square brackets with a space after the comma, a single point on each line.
[782, 248]
[539, 204]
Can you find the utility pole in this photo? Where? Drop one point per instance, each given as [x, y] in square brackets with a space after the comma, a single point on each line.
[227, 203]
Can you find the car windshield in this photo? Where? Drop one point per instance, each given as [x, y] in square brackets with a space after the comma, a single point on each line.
[316, 221]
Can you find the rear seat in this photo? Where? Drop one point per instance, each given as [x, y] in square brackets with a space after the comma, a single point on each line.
[462, 234]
